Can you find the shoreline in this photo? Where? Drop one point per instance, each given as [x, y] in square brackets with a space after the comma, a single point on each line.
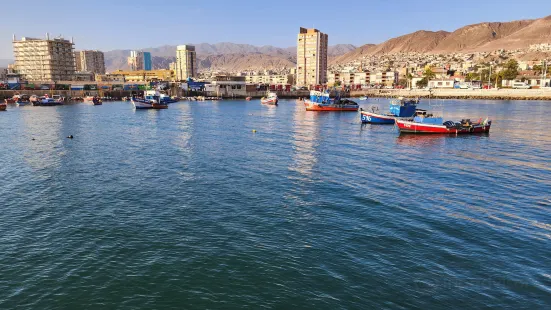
[466, 94]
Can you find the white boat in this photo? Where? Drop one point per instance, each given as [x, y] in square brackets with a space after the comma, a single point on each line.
[271, 99]
[151, 100]
[362, 98]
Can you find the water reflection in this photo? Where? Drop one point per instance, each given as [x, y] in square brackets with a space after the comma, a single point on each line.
[305, 140]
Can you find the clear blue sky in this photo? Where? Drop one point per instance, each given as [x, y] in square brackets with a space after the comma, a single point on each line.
[132, 24]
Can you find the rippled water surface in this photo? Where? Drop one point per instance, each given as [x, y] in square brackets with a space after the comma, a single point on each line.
[188, 208]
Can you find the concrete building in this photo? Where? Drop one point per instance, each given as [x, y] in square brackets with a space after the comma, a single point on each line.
[311, 57]
[227, 86]
[347, 78]
[44, 59]
[388, 78]
[272, 79]
[145, 76]
[139, 60]
[186, 62]
[90, 61]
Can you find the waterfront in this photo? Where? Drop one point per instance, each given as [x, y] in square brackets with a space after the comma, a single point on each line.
[188, 208]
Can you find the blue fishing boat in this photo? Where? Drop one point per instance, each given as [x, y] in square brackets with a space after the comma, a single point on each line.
[399, 108]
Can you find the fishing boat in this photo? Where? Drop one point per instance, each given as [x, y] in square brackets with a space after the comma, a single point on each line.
[44, 101]
[270, 99]
[149, 101]
[320, 101]
[95, 100]
[399, 108]
[22, 100]
[425, 123]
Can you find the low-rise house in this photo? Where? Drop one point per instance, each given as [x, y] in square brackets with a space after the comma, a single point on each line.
[227, 86]
[442, 83]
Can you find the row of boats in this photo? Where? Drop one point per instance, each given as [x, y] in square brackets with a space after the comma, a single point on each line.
[402, 112]
[46, 100]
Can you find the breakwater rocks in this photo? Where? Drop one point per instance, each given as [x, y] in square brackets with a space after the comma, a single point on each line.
[503, 94]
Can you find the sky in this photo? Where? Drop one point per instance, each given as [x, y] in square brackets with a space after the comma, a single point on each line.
[133, 24]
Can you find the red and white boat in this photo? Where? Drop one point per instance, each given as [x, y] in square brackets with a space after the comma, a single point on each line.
[320, 101]
[271, 99]
[429, 124]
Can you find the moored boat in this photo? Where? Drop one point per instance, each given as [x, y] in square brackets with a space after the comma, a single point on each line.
[399, 108]
[3, 106]
[270, 99]
[249, 98]
[363, 98]
[44, 101]
[148, 102]
[425, 123]
[320, 101]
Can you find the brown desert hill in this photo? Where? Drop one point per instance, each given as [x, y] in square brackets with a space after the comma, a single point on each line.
[473, 37]
[420, 41]
[489, 36]
[353, 55]
[538, 31]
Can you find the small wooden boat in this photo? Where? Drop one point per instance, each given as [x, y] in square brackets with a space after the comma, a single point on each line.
[428, 124]
[399, 108]
[3, 106]
[320, 101]
[270, 99]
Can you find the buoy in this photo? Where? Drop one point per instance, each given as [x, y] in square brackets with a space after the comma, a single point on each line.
[70, 137]
[254, 130]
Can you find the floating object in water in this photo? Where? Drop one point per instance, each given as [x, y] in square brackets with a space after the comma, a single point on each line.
[70, 137]
[254, 130]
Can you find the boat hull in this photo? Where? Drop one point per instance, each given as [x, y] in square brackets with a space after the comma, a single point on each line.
[3, 106]
[46, 104]
[269, 101]
[311, 106]
[9, 100]
[409, 127]
[142, 105]
[373, 118]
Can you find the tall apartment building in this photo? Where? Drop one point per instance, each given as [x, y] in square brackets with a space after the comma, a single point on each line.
[90, 61]
[186, 62]
[44, 59]
[311, 57]
[139, 60]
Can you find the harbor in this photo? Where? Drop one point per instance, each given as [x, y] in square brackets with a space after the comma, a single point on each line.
[253, 192]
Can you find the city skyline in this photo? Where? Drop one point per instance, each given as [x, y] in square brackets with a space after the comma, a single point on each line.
[197, 23]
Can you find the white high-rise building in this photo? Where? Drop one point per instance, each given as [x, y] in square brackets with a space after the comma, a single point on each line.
[186, 62]
[311, 57]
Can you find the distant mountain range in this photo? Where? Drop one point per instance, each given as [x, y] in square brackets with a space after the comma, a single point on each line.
[227, 56]
[224, 56]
